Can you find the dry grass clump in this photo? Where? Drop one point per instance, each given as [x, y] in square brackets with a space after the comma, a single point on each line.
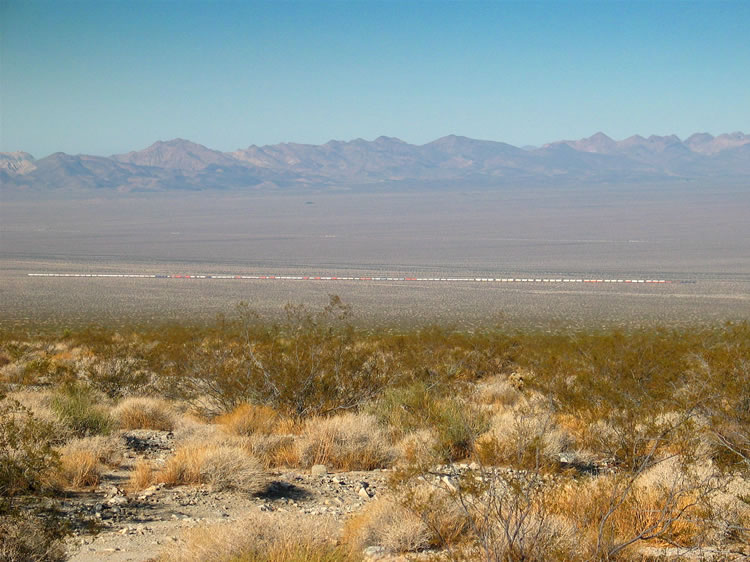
[251, 419]
[347, 442]
[38, 401]
[499, 391]
[79, 469]
[82, 460]
[220, 465]
[387, 523]
[144, 413]
[268, 537]
[274, 450]
[142, 476]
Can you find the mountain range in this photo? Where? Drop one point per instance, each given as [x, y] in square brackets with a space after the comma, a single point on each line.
[386, 162]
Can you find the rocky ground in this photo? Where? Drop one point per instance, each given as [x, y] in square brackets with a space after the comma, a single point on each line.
[111, 523]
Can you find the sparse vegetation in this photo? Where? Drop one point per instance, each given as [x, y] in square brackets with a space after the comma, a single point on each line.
[516, 445]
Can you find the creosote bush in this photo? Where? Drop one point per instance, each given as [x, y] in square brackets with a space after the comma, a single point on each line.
[25, 539]
[77, 407]
[456, 423]
[27, 454]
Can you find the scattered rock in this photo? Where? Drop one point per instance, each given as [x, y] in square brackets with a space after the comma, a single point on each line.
[374, 551]
[318, 470]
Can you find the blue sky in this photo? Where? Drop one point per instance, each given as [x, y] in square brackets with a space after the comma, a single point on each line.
[105, 77]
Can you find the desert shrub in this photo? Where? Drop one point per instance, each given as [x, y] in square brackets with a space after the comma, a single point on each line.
[249, 419]
[387, 523]
[29, 539]
[523, 437]
[76, 407]
[41, 370]
[307, 365]
[276, 537]
[494, 514]
[419, 448]
[456, 423]
[118, 370]
[144, 413]
[221, 466]
[348, 442]
[440, 509]
[614, 512]
[500, 390]
[27, 454]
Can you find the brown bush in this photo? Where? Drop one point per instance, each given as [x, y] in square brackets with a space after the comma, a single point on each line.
[610, 514]
[440, 509]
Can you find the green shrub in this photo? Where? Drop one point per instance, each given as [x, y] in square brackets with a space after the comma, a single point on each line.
[76, 407]
[26, 451]
[456, 423]
[26, 539]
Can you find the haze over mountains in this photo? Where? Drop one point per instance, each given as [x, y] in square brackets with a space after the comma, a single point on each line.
[385, 162]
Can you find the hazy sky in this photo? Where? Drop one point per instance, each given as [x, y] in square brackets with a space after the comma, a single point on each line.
[104, 77]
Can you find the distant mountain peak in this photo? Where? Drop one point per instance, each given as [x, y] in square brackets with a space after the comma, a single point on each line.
[450, 160]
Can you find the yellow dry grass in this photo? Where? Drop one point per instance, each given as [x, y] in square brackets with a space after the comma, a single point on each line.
[274, 450]
[346, 442]
[251, 419]
[222, 466]
[82, 460]
[142, 476]
[145, 413]
[387, 523]
[267, 537]
[662, 515]
[79, 469]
